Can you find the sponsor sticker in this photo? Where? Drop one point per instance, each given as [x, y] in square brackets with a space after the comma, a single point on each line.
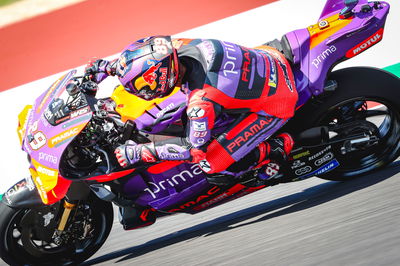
[303, 170]
[79, 112]
[297, 156]
[297, 164]
[323, 169]
[327, 157]
[324, 55]
[199, 126]
[60, 138]
[175, 180]
[370, 41]
[231, 59]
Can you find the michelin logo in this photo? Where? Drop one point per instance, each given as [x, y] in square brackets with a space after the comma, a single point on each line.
[324, 169]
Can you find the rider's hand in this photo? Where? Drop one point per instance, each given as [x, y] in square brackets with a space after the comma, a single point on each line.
[97, 70]
[128, 154]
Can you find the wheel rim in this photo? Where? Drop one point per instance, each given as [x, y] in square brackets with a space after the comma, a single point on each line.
[384, 115]
[35, 250]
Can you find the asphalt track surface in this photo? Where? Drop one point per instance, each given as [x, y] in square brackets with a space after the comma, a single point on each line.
[311, 222]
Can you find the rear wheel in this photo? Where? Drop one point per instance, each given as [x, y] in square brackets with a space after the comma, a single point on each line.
[366, 103]
[29, 237]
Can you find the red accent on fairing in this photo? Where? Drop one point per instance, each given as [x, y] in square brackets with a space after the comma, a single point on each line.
[236, 188]
[112, 176]
[145, 213]
[59, 191]
[199, 198]
[163, 166]
[224, 195]
[239, 128]
[253, 189]
[218, 158]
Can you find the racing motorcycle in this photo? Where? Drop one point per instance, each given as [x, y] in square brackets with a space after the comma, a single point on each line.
[346, 125]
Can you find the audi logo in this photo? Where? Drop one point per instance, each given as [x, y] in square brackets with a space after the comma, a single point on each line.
[303, 170]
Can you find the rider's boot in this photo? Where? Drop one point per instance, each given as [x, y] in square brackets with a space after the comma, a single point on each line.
[280, 147]
[276, 154]
[267, 157]
[136, 217]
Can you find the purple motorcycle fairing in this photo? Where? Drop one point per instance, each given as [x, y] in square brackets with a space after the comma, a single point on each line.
[172, 187]
[162, 189]
[49, 155]
[312, 64]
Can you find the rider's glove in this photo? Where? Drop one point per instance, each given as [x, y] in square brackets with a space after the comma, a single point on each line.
[131, 153]
[128, 154]
[98, 70]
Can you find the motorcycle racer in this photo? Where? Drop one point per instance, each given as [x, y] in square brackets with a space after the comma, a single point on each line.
[256, 86]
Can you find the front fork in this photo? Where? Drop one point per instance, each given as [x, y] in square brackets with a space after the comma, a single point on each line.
[68, 207]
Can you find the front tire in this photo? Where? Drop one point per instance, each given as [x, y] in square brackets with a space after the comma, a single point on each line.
[21, 244]
[358, 87]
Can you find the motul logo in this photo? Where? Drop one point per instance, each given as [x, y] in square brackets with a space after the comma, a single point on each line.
[374, 39]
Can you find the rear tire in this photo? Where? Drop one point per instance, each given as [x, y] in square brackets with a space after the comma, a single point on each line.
[356, 87]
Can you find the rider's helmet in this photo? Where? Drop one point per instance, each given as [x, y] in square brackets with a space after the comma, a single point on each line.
[149, 67]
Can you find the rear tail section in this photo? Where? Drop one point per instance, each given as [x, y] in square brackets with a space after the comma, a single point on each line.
[345, 29]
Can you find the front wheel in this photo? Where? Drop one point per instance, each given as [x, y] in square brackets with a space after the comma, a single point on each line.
[366, 103]
[29, 236]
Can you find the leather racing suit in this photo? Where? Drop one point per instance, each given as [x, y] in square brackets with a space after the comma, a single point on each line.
[255, 86]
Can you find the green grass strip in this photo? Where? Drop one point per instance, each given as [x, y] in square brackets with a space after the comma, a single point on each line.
[7, 2]
[394, 69]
